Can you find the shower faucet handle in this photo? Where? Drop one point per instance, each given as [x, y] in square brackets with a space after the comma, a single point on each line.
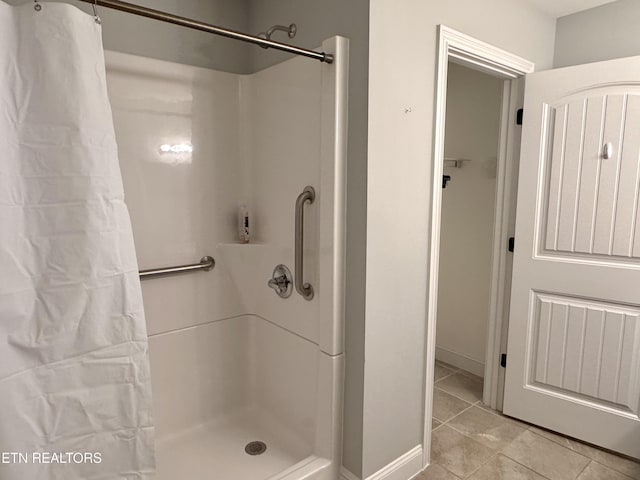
[278, 283]
[281, 281]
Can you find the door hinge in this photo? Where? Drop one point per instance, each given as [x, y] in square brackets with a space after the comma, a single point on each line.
[519, 116]
[512, 244]
[503, 360]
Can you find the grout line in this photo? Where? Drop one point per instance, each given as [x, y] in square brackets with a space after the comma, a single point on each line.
[495, 452]
[523, 465]
[516, 461]
[569, 447]
[452, 373]
[473, 472]
[495, 455]
[459, 398]
[461, 373]
[450, 472]
[514, 421]
[446, 376]
[524, 425]
[459, 413]
[613, 469]
[585, 467]
[443, 378]
[496, 413]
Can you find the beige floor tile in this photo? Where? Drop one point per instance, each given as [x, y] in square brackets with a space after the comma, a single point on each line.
[446, 406]
[570, 443]
[620, 464]
[458, 454]
[441, 371]
[435, 472]
[435, 423]
[503, 468]
[546, 457]
[595, 471]
[491, 430]
[464, 385]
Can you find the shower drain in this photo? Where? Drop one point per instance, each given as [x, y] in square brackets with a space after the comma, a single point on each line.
[255, 448]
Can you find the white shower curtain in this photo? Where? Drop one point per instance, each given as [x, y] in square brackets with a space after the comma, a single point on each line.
[75, 395]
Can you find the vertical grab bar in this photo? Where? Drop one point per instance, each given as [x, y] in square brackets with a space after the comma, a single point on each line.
[303, 288]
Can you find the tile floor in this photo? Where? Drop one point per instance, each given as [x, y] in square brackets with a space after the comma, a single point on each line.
[471, 441]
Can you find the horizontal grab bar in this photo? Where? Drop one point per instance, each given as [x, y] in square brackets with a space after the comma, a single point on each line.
[206, 263]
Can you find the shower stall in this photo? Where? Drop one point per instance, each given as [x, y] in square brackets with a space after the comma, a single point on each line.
[246, 384]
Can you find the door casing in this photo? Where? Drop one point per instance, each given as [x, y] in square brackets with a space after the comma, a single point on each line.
[470, 52]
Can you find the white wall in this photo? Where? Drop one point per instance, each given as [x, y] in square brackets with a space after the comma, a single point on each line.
[402, 59]
[601, 33]
[468, 203]
[128, 33]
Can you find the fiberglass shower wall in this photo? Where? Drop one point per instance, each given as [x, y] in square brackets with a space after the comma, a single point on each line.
[231, 361]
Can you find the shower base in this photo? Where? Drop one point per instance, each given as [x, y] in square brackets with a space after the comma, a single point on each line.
[216, 450]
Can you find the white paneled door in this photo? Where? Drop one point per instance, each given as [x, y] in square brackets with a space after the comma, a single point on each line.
[573, 361]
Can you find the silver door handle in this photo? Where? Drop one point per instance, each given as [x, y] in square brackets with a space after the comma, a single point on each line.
[303, 288]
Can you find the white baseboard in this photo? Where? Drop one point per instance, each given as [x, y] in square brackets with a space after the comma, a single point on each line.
[461, 361]
[402, 468]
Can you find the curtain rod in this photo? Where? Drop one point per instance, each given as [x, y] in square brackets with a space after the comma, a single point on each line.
[205, 27]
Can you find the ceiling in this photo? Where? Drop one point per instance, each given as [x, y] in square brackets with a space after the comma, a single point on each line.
[560, 8]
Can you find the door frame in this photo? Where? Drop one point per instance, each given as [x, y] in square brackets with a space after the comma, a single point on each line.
[470, 52]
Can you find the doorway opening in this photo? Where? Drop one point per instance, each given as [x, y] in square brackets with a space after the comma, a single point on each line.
[472, 132]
